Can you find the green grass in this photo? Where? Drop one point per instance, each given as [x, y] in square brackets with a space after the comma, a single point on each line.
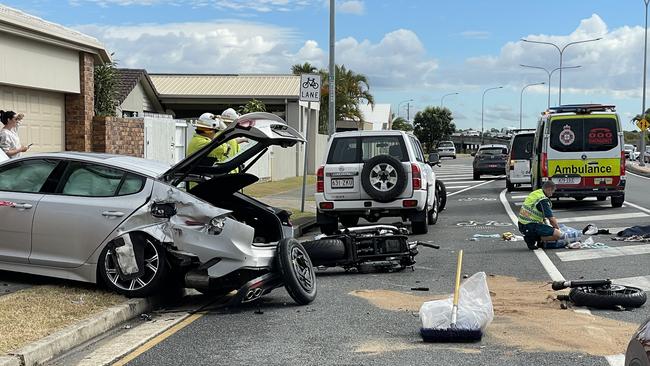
[285, 185]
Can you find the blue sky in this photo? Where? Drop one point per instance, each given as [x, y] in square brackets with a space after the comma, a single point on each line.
[417, 49]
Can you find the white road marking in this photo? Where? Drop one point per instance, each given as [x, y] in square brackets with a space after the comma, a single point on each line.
[586, 254]
[616, 360]
[630, 215]
[518, 197]
[453, 176]
[468, 188]
[459, 181]
[453, 187]
[642, 282]
[546, 262]
[637, 207]
[636, 175]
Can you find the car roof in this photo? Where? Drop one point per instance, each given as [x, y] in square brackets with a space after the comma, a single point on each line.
[150, 168]
[369, 133]
[524, 133]
[493, 146]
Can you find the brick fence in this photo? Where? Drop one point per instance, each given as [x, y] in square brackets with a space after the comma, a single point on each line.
[124, 136]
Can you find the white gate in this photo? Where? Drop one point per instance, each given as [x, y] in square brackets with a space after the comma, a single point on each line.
[160, 139]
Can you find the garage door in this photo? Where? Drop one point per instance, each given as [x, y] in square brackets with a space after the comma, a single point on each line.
[44, 116]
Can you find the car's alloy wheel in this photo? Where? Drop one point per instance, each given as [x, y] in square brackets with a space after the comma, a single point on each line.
[383, 177]
[155, 269]
[297, 271]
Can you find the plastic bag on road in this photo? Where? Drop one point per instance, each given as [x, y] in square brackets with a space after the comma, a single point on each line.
[474, 307]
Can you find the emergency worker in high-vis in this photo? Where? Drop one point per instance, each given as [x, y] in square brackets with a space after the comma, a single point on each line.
[533, 215]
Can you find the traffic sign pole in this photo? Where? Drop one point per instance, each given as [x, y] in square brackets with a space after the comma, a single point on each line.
[304, 169]
[310, 87]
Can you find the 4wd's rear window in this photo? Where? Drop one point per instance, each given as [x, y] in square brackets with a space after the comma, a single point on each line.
[522, 147]
[493, 151]
[584, 134]
[446, 144]
[345, 150]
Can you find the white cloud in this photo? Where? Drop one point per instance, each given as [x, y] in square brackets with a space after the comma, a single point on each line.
[398, 61]
[470, 34]
[352, 7]
[611, 66]
[263, 6]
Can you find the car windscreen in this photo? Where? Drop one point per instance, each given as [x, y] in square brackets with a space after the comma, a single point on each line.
[584, 134]
[493, 151]
[345, 150]
[522, 147]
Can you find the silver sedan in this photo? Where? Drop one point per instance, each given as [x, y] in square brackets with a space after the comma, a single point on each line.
[129, 222]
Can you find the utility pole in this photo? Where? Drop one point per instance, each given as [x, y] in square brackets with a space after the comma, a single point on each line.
[645, 68]
[408, 111]
[521, 102]
[331, 128]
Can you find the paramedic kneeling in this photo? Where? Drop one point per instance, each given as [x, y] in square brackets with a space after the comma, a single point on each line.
[537, 208]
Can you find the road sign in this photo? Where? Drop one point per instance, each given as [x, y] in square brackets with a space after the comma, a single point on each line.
[310, 88]
[643, 124]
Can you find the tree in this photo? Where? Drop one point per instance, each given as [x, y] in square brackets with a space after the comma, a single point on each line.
[351, 90]
[433, 124]
[305, 68]
[400, 123]
[253, 105]
[105, 79]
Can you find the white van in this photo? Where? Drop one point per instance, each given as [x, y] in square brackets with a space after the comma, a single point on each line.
[580, 147]
[518, 165]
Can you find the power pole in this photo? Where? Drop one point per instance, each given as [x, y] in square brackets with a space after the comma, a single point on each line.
[331, 128]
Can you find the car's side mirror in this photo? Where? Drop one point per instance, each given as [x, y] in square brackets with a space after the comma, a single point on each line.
[473, 154]
[434, 158]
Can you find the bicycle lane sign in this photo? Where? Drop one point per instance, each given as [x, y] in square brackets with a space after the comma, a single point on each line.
[310, 87]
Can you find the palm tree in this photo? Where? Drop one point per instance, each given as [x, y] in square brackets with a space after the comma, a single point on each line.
[305, 68]
[351, 89]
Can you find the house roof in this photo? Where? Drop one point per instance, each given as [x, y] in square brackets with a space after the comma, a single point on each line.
[127, 79]
[20, 23]
[233, 86]
[378, 115]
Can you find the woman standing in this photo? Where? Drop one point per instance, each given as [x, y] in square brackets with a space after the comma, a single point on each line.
[9, 140]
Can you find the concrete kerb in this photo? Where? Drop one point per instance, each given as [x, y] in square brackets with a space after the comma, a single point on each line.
[636, 169]
[57, 343]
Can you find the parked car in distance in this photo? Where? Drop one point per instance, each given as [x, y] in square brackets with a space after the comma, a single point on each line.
[646, 156]
[375, 174]
[490, 159]
[128, 223]
[446, 149]
[631, 152]
[518, 167]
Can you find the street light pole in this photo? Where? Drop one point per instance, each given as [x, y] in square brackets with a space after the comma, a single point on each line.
[561, 51]
[331, 128]
[550, 74]
[443, 98]
[482, 110]
[521, 101]
[645, 68]
[400, 103]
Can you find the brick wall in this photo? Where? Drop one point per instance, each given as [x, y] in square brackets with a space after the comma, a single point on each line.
[79, 108]
[124, 136]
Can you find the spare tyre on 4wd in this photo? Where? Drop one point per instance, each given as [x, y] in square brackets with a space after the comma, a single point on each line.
[376, 174]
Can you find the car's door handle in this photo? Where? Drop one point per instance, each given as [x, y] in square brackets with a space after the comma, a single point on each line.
[112, 213]
[22, 206]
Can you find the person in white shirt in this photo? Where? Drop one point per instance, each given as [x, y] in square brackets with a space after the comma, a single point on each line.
[9, 140]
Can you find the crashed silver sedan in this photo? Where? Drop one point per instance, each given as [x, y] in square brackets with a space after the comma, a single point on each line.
[132, 224]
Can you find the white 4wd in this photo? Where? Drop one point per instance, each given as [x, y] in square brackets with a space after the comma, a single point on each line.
[375, 174]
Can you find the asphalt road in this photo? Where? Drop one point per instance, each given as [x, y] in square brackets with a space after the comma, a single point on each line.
[340, 328]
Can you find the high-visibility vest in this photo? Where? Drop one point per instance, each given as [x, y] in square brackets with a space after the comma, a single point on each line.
[529, 212]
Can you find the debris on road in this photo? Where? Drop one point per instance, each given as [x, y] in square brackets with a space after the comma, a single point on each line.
[419, 289]
[591, 229]
[508, 236]
[523, 308]
[486, 236]
[145, 317]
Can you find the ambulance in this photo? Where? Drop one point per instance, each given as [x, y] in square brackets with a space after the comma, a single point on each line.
[580, 148]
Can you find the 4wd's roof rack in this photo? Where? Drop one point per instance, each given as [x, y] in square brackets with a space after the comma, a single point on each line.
[582, 108]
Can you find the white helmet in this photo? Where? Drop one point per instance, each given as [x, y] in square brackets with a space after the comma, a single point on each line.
[230, 114]
[209, 120]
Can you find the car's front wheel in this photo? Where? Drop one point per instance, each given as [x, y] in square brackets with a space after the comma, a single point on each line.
[618, 201]
[147, 281]
[477, 175]
[420, 225]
